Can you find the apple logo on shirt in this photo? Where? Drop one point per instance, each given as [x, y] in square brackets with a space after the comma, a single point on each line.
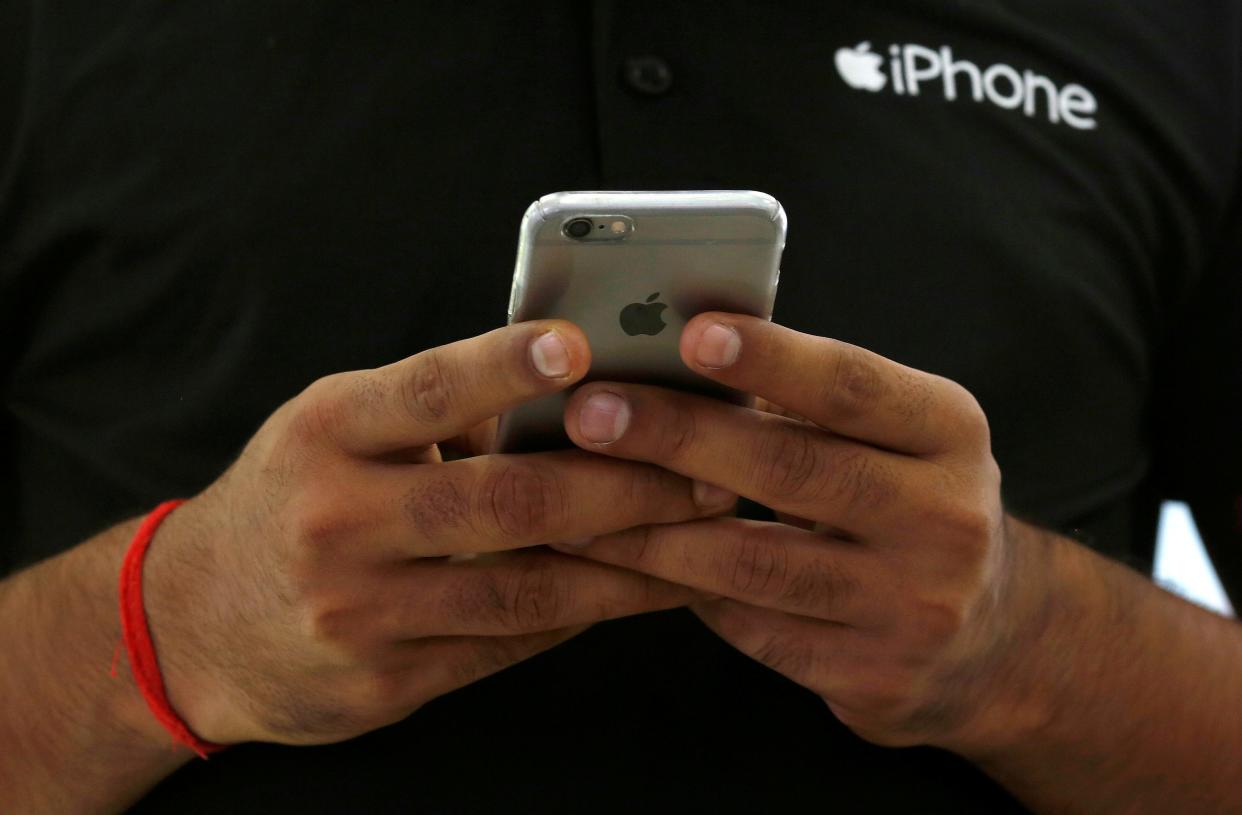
[917, 70]
[860, 67]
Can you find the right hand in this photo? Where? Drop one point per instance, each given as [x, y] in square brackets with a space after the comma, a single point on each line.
[306, 597]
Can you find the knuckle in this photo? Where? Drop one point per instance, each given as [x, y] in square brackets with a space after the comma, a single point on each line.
[856, 384]
[332, 623]
[436, 504]
[320, 524]
[645, 548]
[929, 716]
[522, 502]
[678, 435]
[646, 485]
[991, 475]
[967, 530]
[315, 540]
[789, 461]
[863, 483]
[319, 413]
[427, 393]
[739, 628]
[885, 698]
[379, 690]
[523, 598]
[757, 567]
[918, 398]
[649, 594]
[534, 598]
[322, 622]
[486, 656]
[819, 585]
[363, 390]
[972, 411]
[792, 656]
[968, 415]
[473, 599]
[937, 623]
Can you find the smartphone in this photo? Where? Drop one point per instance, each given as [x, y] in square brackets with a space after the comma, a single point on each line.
[630, 269]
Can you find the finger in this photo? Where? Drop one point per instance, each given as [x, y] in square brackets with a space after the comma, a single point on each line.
[763, 564]
[877, 692]
[765, 406]
[795, 520]
[511, 593]
[444, 391]
[425, 454]
[474, 442]
[813, 653]
[480, 438]
[497, 502]
[787, 465]
[838, 386]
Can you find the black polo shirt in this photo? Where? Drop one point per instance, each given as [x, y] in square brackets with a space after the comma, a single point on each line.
[205, 206]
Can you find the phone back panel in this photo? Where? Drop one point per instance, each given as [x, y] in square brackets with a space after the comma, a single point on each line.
[687, 251]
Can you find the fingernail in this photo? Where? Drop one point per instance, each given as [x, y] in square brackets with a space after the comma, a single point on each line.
[603, 417]
[550, 356]
[718, 347]
[709, 495]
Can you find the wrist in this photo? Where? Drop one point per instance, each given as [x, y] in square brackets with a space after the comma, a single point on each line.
[91, 571]
[79, 733]
[179, 575]
[127, 710]
[1050, 595]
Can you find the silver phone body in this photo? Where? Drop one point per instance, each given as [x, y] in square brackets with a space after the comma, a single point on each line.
[711, 250]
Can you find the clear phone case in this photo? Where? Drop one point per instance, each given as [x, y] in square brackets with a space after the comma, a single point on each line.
[651, 261]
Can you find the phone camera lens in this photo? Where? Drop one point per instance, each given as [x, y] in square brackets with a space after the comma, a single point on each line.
[578, 227]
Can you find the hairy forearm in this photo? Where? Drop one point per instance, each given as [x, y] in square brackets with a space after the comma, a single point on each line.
[1127, 698]
[72, 737]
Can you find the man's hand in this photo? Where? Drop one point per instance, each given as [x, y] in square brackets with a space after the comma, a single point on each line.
[904, 596]
[898, 603]
[311, 593]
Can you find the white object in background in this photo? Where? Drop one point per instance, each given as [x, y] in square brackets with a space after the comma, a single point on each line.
[1182, 565]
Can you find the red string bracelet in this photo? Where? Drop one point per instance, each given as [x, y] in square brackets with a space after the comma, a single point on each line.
[137, 635]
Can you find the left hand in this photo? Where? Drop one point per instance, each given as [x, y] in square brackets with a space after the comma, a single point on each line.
[901, 604]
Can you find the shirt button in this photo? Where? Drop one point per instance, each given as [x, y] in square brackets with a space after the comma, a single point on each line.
[648, 74]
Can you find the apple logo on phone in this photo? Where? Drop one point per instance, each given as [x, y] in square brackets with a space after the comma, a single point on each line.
[643, 318]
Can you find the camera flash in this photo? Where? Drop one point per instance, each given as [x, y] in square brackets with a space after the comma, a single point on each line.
[618, 227]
